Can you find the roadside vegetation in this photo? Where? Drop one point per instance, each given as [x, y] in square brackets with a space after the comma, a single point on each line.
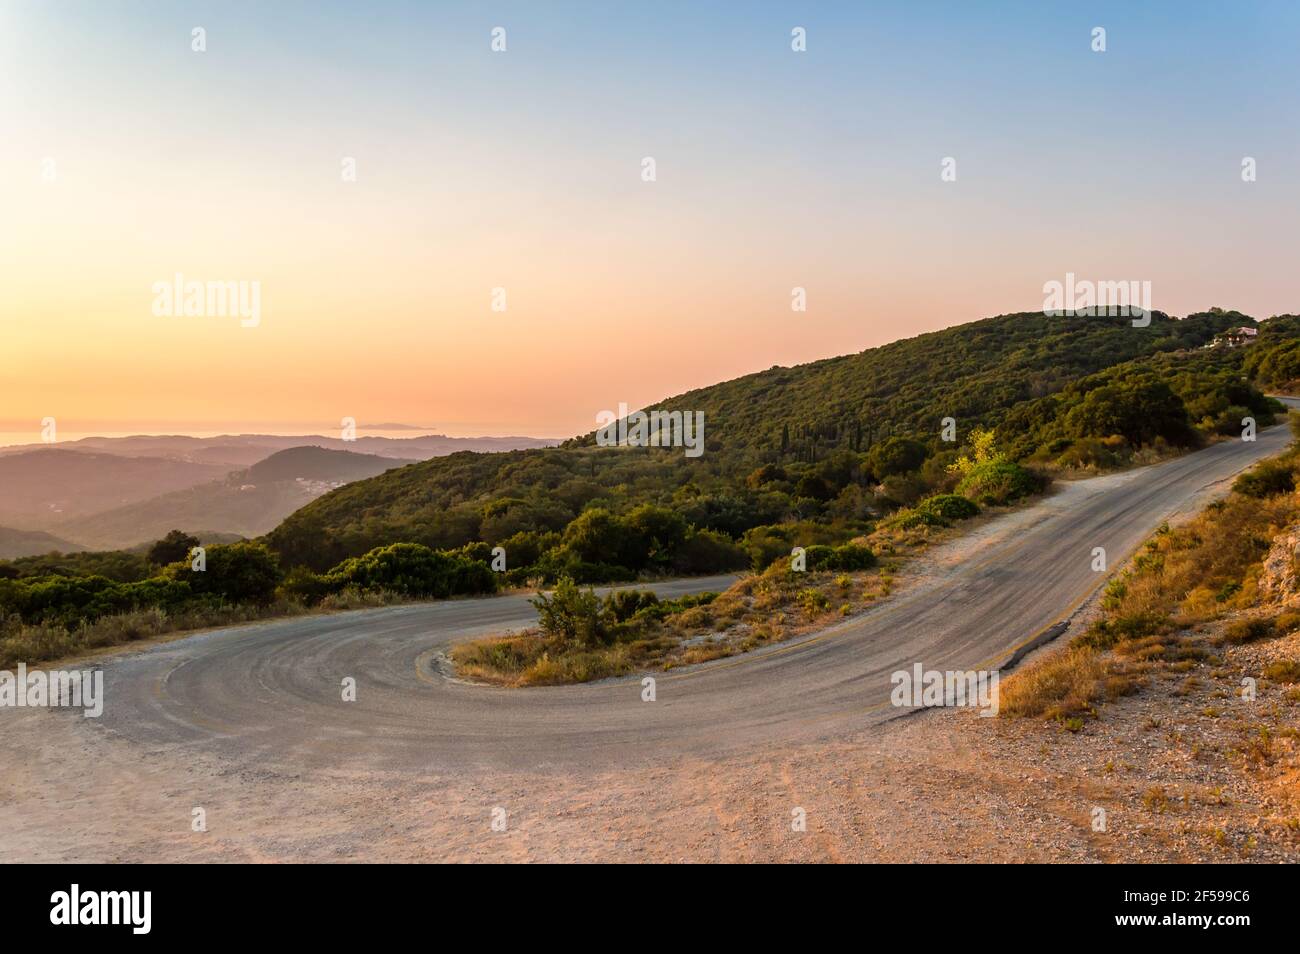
[1201, 635]
[60, 606]
[1193, 590]
[847, 451]
[581, 637]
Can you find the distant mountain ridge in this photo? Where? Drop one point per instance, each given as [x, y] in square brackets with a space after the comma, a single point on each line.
[21, 543]
[242, 450]
[43, 488]
[320, 463]
[246, 502]
[110, 492]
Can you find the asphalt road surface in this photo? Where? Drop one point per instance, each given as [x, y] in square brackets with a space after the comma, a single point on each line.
[271, 693]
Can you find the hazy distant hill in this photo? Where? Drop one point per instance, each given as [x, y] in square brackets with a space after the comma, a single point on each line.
[247, 503]
[101, 490]
[21, 543]
[40, 489]
[319, 463]
[242, 450]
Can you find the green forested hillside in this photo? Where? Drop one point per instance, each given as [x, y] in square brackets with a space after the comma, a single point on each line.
[828, 445]
[812, 456]
[971, 372]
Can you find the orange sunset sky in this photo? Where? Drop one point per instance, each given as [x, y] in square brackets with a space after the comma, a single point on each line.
[522, 170]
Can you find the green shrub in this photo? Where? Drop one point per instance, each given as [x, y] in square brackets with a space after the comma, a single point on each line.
[563, 562]
[73, 601]
[174, 547]
[303, 584]
[571, 614]
[1088, 453]
[949, 507]
[910, 518]
[999, 482]
[235, 572]
[813, 601]
[622, 605]
[1266, 479]
[896, 455]
[526, 547]
[1107, 632]
[707, 551]
[766, 545]
[850, 556]
[413, 570]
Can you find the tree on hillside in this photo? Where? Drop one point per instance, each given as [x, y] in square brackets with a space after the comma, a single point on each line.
[174, 547]
[654, 532]
[983, 451]
[596, 536]
[1139, 412]
[236, 572]
[897, 455]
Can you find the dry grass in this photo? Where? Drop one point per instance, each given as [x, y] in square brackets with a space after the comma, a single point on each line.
[755, 611]
[531, 659]
[1206, 567]
[1184, 576]
[1060, 686]
[1283, 670]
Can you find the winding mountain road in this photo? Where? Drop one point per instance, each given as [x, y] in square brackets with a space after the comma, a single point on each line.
[270, 694]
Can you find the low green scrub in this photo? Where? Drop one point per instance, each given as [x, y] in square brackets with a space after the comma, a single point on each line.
[999, 482]
[581, 636]
[910, 518]
[768, 544]
[1266, 479]
[45, 617]
[1110, 630]
[414, 571]
[951, 507]
[850, 556]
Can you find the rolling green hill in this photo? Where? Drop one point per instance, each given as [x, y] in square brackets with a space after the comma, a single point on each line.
[837, 441]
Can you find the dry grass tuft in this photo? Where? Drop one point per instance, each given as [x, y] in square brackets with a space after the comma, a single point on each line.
[1058, 687]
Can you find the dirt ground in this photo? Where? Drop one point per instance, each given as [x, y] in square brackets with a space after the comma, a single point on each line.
[1181, 770]
[1175, 783]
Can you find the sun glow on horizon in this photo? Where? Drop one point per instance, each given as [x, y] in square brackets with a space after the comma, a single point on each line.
[520, 171]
